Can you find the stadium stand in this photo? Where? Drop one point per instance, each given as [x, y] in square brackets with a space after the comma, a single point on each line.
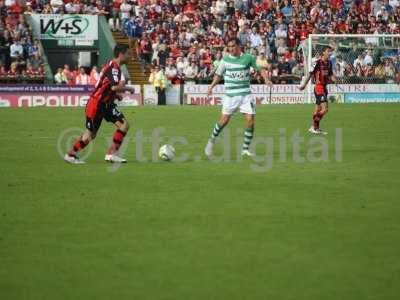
[188, 37]
[20, 55]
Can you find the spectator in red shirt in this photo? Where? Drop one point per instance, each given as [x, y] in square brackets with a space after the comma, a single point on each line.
[16, 8]
[13, 73]
[94, 76]
[292, 39]
[207, 58]
[145, 49]
[69, 75]
[30, 71]
[190, 8]
[175, 50]
[336, 5]
[303, 32]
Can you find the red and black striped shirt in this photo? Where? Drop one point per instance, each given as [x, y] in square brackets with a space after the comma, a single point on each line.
[322, 72]
[110, 75]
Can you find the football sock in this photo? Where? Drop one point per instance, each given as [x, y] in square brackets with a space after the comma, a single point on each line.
[317, 116]
[78, 146]
[118, 138]
[248, 136]
[216, 131]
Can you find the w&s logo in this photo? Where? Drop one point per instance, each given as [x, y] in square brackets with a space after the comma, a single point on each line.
[66, 27]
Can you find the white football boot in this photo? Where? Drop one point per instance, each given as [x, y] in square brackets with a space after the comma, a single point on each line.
[113, 158]
[320, 131]
[313, 130]
[247, 152]
[73, 160]
[209, 148]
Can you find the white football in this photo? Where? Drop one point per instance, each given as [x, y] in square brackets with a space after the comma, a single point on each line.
[166, 152]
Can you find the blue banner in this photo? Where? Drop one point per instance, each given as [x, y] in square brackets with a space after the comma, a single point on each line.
[371, 97]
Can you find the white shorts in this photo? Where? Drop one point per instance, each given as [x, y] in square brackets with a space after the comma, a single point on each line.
[246, 105]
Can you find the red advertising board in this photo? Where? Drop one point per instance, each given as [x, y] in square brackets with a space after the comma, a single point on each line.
[55, 96]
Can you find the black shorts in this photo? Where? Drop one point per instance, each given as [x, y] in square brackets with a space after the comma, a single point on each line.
[106, 111]
[321, 97]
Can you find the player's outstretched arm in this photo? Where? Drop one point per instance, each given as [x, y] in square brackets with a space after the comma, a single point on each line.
[121, 87]
[215, 81]
[304, 84]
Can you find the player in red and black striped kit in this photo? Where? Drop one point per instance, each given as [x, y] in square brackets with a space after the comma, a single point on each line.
[322, 72]
[101, 106]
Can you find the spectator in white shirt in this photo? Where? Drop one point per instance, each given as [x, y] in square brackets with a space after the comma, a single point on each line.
[213, 8]
[8, 3]
[181, 64]
[181, 18]
[394, 3]
[60, 78]
[90, 9]
[340, 67]
[16, 49]
[71, 8]
[215, 29]
[255, 38]
[125, 9]
[376, 5]
[315, 11]
[82, 78]
[281, 32]
[383, 13]
[56, 4]
[368, 60]
[358, 64]
[191, 72]
[170, 71]
[220, 7]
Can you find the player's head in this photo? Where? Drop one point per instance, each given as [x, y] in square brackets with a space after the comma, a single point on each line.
[234, 47]
[326, 53]
[122, 52]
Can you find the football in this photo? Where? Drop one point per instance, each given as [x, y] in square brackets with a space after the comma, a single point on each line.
[166, 152]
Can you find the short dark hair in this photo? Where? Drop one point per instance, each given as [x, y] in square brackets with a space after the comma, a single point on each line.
[235, 40]
[325, 48]
[120, 48]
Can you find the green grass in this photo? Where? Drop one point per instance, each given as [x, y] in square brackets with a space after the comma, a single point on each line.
[201, 230]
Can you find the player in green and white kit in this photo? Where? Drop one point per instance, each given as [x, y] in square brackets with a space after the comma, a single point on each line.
[235, 68]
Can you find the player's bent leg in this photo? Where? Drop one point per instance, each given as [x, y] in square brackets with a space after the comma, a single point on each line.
[118, 138]
[324, 108]
[89, 136]
[218, 127]
[123, 125]
[248, 134]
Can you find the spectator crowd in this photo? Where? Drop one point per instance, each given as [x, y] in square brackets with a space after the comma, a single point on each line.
[20, 55]
[187, 38]
[78, 76]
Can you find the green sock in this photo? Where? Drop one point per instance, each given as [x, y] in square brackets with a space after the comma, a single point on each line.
[216, 131]
[248, 136]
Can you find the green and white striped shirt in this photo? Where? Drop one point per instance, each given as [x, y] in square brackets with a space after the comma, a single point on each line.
[236, 72]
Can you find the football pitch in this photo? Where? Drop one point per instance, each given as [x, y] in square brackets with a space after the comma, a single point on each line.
[319, 219]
